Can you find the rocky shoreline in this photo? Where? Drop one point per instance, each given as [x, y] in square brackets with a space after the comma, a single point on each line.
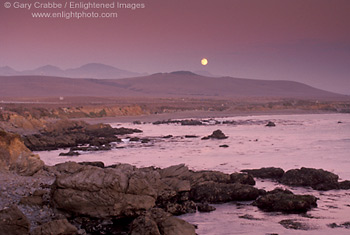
[91, 198]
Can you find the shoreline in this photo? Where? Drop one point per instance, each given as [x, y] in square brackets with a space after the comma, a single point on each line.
[196, 115]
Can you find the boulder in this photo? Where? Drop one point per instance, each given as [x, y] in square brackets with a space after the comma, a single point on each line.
[344, 184]
[13, 221]
[15, 156]
[205, 207]
[156, 221]
[316, 178]
[285, 201]
[266, 172]
[39, 198]
[55, 227]
[213, 192]
[270, 124]
[70, 153]
[242, 178]
[122, 191]
[218, 134]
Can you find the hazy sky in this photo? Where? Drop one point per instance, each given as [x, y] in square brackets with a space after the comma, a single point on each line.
[300, 40]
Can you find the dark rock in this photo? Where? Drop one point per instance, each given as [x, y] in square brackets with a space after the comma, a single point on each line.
[224, 146]
[156, 221]
[205, 207]
[136, 122]
[248, 217]
[271, 124]
[344, 184]
[213, 192]
[293, 224]
[218, 134]
[55, 227]
[110, 226]
[70, 153]
[266, 172]
[145, 140]
[167, 136]
[65, 133]
[343, 225]
[13, 221]
[191, 136]
[98, 164]
[242, 178]
[285, 201]
[134, 139]
[191, 122]
[316, 178]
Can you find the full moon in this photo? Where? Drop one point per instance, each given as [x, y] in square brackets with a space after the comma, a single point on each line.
[204, 61]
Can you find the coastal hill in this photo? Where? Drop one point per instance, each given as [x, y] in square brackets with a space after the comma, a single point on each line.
[175, 84]
[91, 70]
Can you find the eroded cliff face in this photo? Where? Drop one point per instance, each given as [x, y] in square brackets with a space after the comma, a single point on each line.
[24, 120]
[15, 156]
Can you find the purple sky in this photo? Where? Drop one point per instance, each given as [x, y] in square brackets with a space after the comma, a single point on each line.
[300, 40]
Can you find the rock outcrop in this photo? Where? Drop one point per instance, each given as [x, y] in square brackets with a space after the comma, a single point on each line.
[316, 178]
[55, 227]
[266, 172]
[218, 134]
[156, 221]
[65, 134]
[15, 156]
[112, 192]
[13, 221]
[285, 201]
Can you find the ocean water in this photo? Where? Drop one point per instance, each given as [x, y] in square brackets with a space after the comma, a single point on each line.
[313, 140]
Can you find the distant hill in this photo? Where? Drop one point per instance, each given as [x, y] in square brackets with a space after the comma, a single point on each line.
[176, 84]
[92, 70]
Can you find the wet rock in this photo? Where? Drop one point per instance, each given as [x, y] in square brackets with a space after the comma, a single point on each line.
[13, 221]
[191, 136]
[266, 172]
[55, 227]
[293, 224]
[156, 221]
[248, 217]
[218, 134]
[167, 136]
[65, 134]
[15, 156]
[191, 122]
[205, 207]
[343, 225]
[98, 164]
[242, 178]
[110, 226]
[316, 178]
[285, 201]
[145, 140]
[213, 192]
[224, 146]
[344, 184]
[70, 153]
[270, 124]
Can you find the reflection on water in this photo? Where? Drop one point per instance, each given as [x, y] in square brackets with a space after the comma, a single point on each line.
[316, 141]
